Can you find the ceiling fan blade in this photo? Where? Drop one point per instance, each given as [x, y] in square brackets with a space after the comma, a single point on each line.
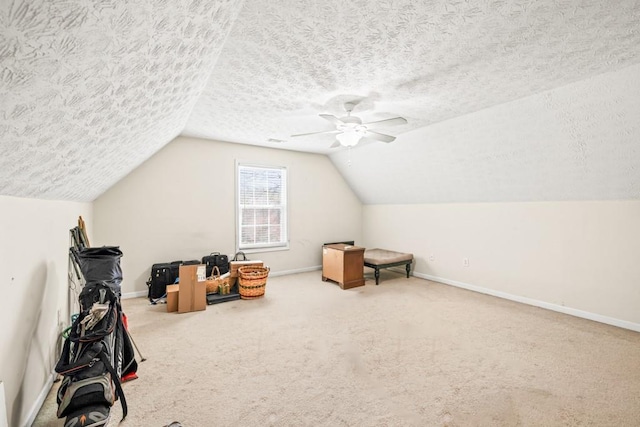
[335, 145]
[379, 136]
[333, 119]
[386, 122]
[315, 133]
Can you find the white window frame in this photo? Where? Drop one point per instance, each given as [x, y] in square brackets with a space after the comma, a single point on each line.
[284, 214]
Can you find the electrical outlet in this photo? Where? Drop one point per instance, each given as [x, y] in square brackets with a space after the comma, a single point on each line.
[432, 257]
[465, 262]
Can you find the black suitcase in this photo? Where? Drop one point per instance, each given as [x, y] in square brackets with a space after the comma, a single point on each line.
[218, 260]
[175, 268]
[161, 276]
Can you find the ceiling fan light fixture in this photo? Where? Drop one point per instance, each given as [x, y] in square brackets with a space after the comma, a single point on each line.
[349, 138]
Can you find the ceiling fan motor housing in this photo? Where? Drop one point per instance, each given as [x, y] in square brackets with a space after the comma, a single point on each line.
[351, 124]
[351, 119]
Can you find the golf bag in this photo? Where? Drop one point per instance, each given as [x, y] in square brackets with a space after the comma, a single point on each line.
[98, 351]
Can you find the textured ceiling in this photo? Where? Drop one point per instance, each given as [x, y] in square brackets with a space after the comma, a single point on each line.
[89, 90]
[285, 62]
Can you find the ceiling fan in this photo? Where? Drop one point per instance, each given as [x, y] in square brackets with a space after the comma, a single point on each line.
[350, 129]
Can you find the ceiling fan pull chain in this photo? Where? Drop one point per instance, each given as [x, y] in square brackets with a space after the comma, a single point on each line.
[349, 154]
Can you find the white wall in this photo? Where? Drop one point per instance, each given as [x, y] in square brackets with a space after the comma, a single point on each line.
[580, 255]
[34, 244]
[179, 205]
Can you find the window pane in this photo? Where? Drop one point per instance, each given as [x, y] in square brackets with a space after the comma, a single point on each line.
[262, 234]
[260, 197]
[260, 187]
[247, 216]
[248, 235]
[275, 187]
[246, 187]
[274, 233]
[274, 216]
[262, 216]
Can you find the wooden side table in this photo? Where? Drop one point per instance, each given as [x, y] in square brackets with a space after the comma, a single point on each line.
[343, 264]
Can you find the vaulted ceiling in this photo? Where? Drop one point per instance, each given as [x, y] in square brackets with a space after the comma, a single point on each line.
[505, 100]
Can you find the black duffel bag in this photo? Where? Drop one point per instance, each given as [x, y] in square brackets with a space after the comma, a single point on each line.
[216, 259]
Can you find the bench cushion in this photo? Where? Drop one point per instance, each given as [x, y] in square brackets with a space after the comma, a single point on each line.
[383, 256]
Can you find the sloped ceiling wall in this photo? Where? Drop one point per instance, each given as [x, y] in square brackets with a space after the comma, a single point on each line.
[90, 90]
[578, 142]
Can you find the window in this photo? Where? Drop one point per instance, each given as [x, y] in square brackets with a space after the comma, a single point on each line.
[262, 207]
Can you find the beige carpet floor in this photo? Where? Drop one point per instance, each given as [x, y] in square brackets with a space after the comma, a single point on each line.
[408, 352]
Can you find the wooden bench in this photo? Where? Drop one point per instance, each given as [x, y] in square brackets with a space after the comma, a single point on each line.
[382, 258]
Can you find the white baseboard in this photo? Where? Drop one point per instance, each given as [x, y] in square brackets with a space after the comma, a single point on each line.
[35, 408]
[136, 294]
[536, 303]
[296, 271]
[3, 407]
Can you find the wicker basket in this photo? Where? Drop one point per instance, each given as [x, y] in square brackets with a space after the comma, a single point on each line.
[215, 281]
[252, 281]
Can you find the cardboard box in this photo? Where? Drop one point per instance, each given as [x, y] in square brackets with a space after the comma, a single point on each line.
[235, 265]
[172, 298]
[192, 289]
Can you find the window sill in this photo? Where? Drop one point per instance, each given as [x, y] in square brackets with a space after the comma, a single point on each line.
[259, 250]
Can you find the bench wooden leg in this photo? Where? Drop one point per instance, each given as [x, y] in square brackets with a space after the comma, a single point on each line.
[408, 269]
[377, 274]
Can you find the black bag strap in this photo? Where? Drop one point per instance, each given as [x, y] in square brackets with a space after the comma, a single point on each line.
[236, 257]
[116, 382]
[114, 375]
